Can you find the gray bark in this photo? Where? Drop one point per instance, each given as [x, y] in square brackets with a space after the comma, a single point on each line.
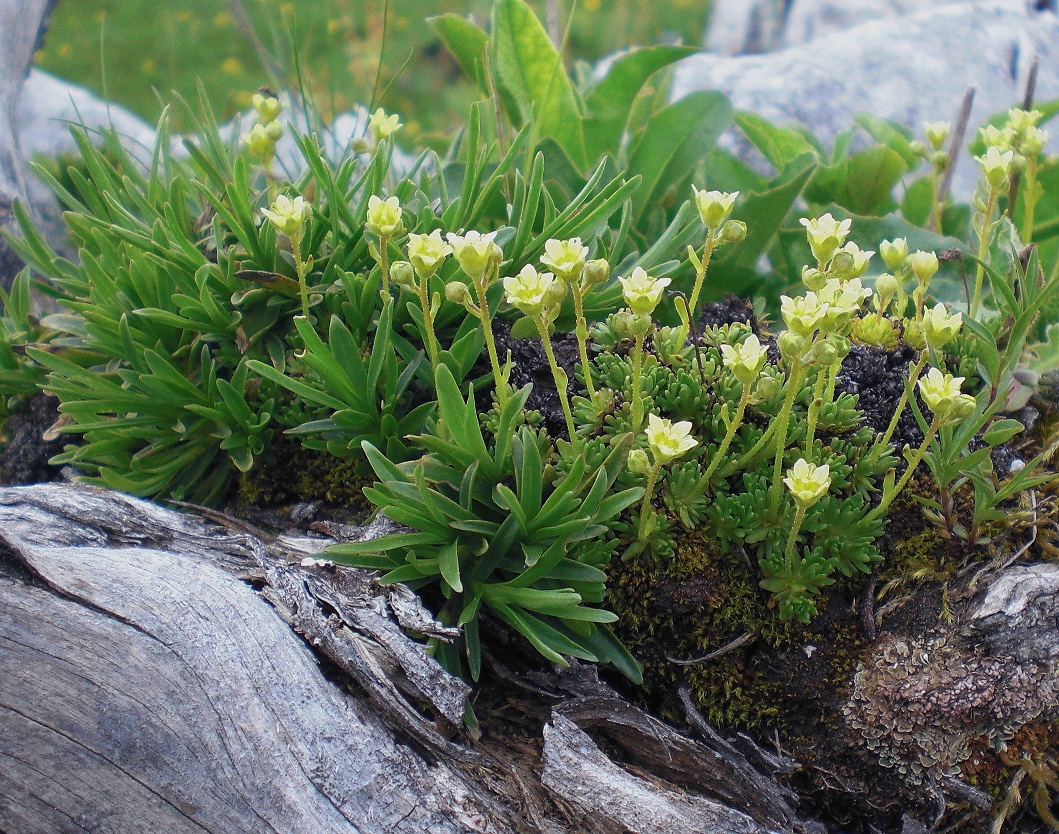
[150, 687]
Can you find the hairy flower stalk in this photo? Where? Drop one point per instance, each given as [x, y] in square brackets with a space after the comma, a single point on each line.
[642, 294]
[479, 257]
[807, 485]
[566, 259]
[427, 253]
[941, 394]
[745, 362]
[289, 217]
[538, 296]
[996, 169]
[667, 442]
[714, 208]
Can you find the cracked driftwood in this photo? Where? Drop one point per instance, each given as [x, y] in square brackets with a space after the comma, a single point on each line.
[155, 680]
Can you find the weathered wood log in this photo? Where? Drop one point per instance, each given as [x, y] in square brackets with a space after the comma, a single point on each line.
[148, 686]
[22, 25]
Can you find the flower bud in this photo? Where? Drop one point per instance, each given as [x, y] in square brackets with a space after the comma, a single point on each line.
[813, 278]
[267, 107]
[875, 332]
[894, 253]
[555, 294]
[260, 143]
[940, 160]
[457, 293]
[767, 388]
[937, 133]
[792, 346]
[923, 265]
[733, 231]
[887, 286]
[918, 148]
[596, 272]
[638, 462]
[639, 325]
[403, 275]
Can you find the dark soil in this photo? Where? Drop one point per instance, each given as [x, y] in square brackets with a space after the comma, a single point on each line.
[25, 454]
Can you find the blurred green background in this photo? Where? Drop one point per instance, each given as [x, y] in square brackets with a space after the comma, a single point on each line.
[136, 52]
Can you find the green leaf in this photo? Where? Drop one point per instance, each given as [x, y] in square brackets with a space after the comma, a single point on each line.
[467, 43]
[529, 67]
[870, 180]
[674, 143]
[1001, 432]
[779, 145]
[893, 135]
[610, 101]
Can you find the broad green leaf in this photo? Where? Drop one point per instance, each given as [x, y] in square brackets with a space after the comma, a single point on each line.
[610, 101]
[893, 135]
[530, 68]
[870, 180]
[467, 43]
[779, 145]
[674, 143]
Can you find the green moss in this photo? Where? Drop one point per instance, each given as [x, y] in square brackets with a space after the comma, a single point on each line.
[293, 473]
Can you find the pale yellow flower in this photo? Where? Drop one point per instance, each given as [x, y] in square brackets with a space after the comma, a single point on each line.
[382, 126]
[941, 393]
[854, 261]
[261, 140]
[566, 258]
[843, 300]
[939, 328]
[745, 360]
[267, 107]
[825, 235]
[996, 166]
[427, 252]
[384, 217]
[937, 133]
[713, 206]
[476, 253]
[529, 290]
[642, 292]
[287, 215]
[803, 315]
[808, 483]
[667, 440]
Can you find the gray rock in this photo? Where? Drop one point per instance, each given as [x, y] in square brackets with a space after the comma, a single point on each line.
[912, 69]
[740, 27]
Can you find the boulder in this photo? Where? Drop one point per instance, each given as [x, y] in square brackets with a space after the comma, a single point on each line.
[914, 68]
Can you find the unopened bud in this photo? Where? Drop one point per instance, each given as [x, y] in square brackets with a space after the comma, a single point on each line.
[458, 293]
[596, 272]
[792, 346]
[733, 231]
[403, 275]
[813, 278]
[639, 463]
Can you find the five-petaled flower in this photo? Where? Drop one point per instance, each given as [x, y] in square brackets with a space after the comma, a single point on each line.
[427, 252]
[803, 315]
[476, 253]
[941, 393]
[713, 206]
[382, 126]
[384, 217]
[642, 292]
[287, 215]
[996, 166]
[808, 483]
[668, 440]
[745, 360]
[529, 290]
[826, 235]
[565, 258]
[939, 328]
